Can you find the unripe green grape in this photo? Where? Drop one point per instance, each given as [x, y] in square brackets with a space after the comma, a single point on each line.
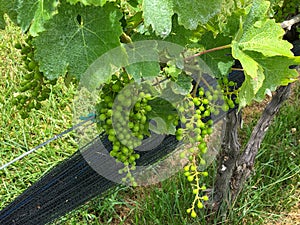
[191, 104]
[205, 101]
[202, 146]
[196, 101]
[230, 104]
[183, 119]
[148, 96]
[204, 150]
[193, 214]
[143, 119]
[148, 108]
[202, 108]
[216, 112]
[181, 109]
[125, 150]
[195, 191]
[231, 83]
[199, 205]
[190, 178]
[206, 113]
[186, 168]
[193, 168]
[205, 174]
[182, 155]
[205, 198]
[138, 116]
[204, 132]
[102, 117]
[200, 124]
[109, 122]
[179, 137]
[225, 80]
[225, 107]
[210, 122]
[115, 88]
[209, 130]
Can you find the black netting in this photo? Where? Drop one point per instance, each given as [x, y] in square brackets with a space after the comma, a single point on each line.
[73, 182]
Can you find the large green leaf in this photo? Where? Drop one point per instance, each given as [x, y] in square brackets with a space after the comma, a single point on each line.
[32, 14]
[9, 8]
[274, 72]
[265, 37]
[277, 72]
[191, 13]
[76, 37]
[158, 14]
[259, 47]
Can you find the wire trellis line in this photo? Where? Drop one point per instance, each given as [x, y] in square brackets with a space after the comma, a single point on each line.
[90, 117]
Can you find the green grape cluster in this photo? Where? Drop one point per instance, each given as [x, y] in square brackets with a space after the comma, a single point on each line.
[196, 124]
[123, 113]
[195, 112]
[34, 88]
[229, 93]
[288, 9]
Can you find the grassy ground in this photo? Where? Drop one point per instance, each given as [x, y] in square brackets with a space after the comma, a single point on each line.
[17, 135]
[270, 197]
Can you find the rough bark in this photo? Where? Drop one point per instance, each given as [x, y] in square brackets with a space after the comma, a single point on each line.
[234, 165]
[227, 158]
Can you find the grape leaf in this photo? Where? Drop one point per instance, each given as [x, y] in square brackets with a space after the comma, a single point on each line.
[76, 37]
[265, 37]
[183, 85]
[261, 34]
[277, 73]
[158, 14]
[143, 70]
[90, 2]
[32, 14]
[161, 111]
[9, 8]
[220, 61]
[259, 53]
[162, 126]
[192, 12]
[180, 35]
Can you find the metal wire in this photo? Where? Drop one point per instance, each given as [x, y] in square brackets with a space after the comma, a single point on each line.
[90, 117]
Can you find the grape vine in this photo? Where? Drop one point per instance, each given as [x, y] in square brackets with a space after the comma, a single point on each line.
[66, 37]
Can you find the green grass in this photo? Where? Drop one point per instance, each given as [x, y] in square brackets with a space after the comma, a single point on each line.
[271, 191]
[17, 135]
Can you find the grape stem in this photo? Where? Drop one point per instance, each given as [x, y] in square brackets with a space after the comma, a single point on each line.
[289, 23]
[208, 51]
